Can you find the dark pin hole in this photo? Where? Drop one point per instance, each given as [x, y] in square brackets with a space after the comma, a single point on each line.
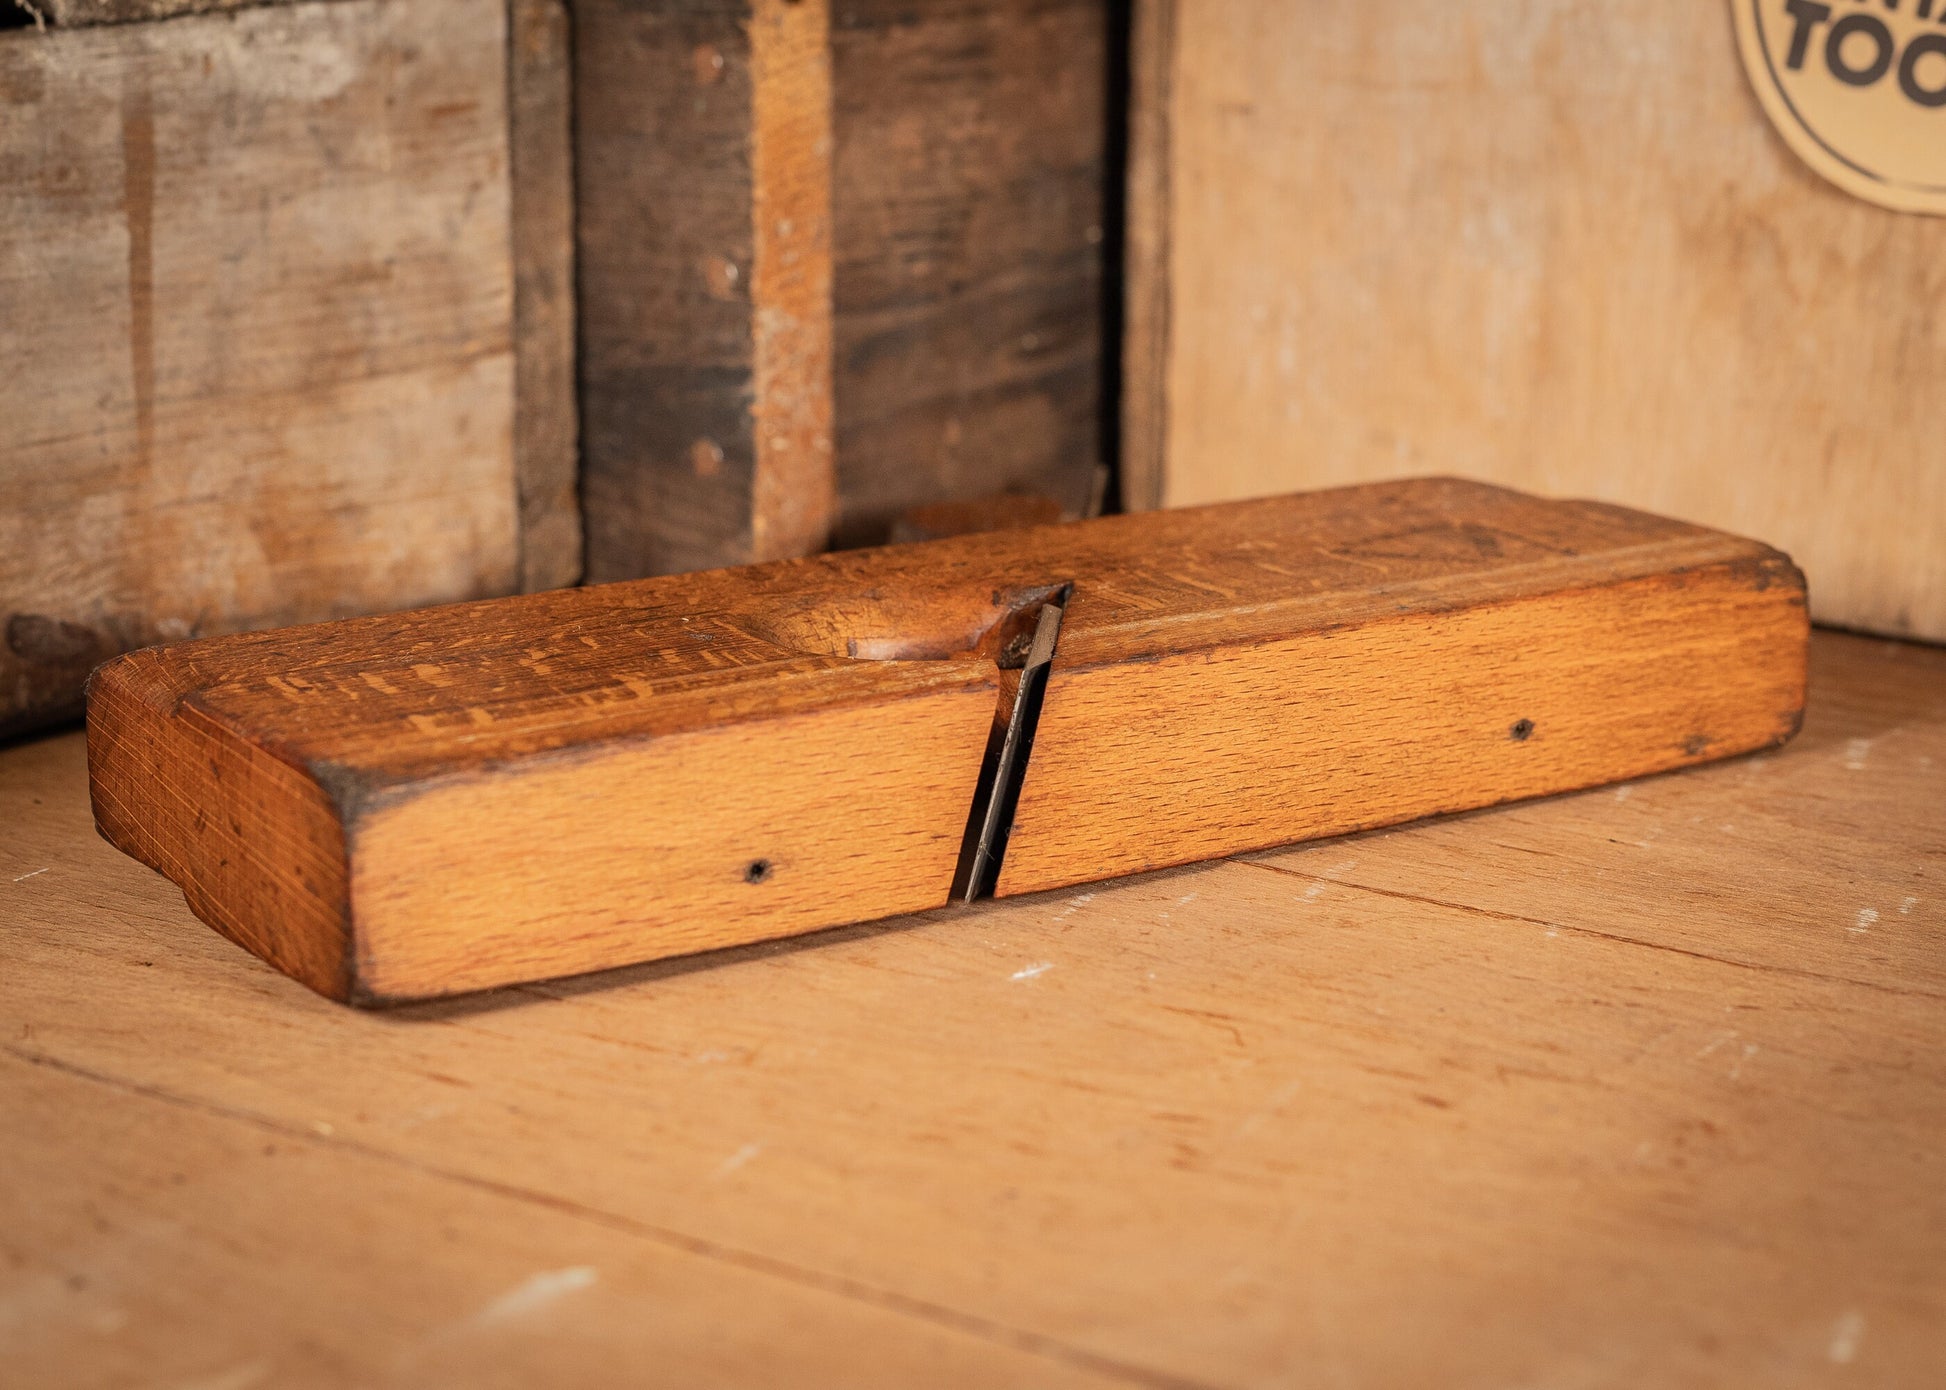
[757, 872]
[1521, 730]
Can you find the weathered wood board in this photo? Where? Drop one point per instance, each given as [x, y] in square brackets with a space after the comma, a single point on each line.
[1553, 245]
[259, 277]
[702, 135]
[487, 793]
[547, 414]
[835, 262]
[967, 198]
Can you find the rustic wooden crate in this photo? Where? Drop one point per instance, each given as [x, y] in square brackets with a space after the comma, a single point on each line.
[836, 261]
[281, 340]
[1553, 245]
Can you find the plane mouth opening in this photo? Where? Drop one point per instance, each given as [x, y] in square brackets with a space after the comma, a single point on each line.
[1025, 656]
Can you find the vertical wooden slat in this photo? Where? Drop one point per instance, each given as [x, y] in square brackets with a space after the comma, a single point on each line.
[1145, 344]
[545, 412]
[794, 490]
[968, 202]
[664, 241]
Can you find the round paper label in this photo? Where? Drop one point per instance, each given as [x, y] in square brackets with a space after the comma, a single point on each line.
[1858, 89]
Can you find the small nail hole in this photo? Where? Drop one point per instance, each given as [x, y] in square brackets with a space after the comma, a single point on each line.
[758, 871]
[1521, 729]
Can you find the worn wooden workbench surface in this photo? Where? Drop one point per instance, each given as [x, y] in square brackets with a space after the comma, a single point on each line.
[1642, 1086]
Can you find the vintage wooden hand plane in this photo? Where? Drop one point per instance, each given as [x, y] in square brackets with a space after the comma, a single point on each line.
[397, 807]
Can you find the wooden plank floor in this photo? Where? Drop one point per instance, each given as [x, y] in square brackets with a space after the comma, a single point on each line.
[1641, 1086]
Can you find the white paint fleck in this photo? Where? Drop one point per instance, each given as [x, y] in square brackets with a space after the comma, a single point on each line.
[1855, 751]
[1040, 967]
[1717, 1042]
[535, 1293]
[1553, 931]
[1624, 793]
[1846, 1334]
[1866, 916]
[36, 874]
[1186, 899]
[1311, 893]
[1905, 908]
[425, 1114]
[738, 1159]
[1343, 868]
[1255, 1119]
[1736, 1068]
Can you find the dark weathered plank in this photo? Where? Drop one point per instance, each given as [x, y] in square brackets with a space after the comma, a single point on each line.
[703, 141]
[664, 237]
[937, 313]
[967, 194]
[546, 414]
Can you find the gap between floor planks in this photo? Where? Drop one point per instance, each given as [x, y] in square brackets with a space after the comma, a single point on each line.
[1817, 976]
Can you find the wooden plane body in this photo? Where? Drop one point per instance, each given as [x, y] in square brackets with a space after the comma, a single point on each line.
[461, 797]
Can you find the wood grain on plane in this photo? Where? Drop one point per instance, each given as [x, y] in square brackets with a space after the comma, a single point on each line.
[474, 795]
